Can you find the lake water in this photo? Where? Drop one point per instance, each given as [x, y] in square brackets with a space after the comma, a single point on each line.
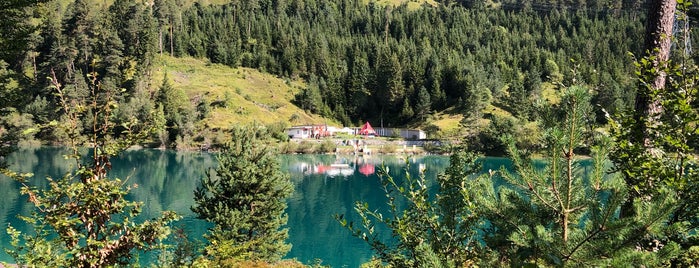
[325, 185]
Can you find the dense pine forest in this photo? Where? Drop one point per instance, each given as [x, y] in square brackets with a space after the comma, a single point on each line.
[396, 64]
[495, 63]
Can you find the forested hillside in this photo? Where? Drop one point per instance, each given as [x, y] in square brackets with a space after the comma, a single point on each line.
[366, 61]
[394, 64]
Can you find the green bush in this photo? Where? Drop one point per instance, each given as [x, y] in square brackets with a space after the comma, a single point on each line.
[288, 147]
[327, 146]
[306, 147]
[388, 149]
[433, 148]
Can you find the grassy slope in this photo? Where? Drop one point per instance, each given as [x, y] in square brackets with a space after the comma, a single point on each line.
[254, 96]
[449, 121]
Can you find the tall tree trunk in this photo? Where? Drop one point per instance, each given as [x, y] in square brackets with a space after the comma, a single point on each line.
[160, 40]
[658, 39]
[172, 46]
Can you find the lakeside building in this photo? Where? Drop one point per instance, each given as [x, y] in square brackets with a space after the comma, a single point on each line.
[319, 131]
[308, 131]
[408, 134]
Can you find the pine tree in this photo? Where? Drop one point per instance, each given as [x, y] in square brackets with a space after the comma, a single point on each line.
[245, 199]
[176, 108]
[389, 86]
[356, 85]
[406, 113]
[15, 29]
[565, 213]
[424, 104]
[310, 98]
[79, 28]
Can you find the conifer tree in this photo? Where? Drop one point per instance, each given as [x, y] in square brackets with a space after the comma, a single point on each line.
[245, 200]
[565, 213]
[310, 98]
[406, 112]
[423, 103]
[176, 109]
[15, 29]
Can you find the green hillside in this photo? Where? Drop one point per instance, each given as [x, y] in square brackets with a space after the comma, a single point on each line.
[250, 96]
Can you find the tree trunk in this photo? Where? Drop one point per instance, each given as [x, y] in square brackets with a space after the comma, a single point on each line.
[160, 41]
[658, 40]
[172, 46]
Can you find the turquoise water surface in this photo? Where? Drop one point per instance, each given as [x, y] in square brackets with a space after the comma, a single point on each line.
[325, 185]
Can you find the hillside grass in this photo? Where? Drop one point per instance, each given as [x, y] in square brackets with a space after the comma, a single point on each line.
[243, 95]
[451, 124]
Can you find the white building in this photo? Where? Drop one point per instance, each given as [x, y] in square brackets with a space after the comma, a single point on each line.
[305, 132]
[299, 132]
[408, 134]
[413, 134]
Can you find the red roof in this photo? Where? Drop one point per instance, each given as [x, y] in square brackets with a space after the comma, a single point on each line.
[367, 130]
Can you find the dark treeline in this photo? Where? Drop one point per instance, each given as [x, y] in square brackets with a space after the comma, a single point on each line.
[396, 65]
[80, 48]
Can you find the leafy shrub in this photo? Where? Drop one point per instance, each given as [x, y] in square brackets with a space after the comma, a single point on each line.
[433, 230]
[433, 147]
[288, 147]
[306, 147]
[388, 149]
[327, 146]
[278, 131]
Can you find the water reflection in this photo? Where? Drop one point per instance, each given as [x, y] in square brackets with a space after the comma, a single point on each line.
[342, 166]
[325, 185]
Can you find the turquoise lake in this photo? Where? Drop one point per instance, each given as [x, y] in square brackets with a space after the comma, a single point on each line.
[325, 185]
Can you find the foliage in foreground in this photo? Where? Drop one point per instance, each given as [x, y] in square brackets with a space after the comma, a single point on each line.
[83, 218]
[245, 199]
[657, 152]
[559, 213]
[565, 212]
[425, 233]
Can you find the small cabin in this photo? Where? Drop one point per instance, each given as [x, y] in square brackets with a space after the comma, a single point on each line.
[299, 132]
[408, 134]
[305, 132]
[413, 134]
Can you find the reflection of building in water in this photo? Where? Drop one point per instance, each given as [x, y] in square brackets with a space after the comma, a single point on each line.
[367, 169]
[349, 165]
[300, 167]
[339, 169]
[332, 170]
[367, 164]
